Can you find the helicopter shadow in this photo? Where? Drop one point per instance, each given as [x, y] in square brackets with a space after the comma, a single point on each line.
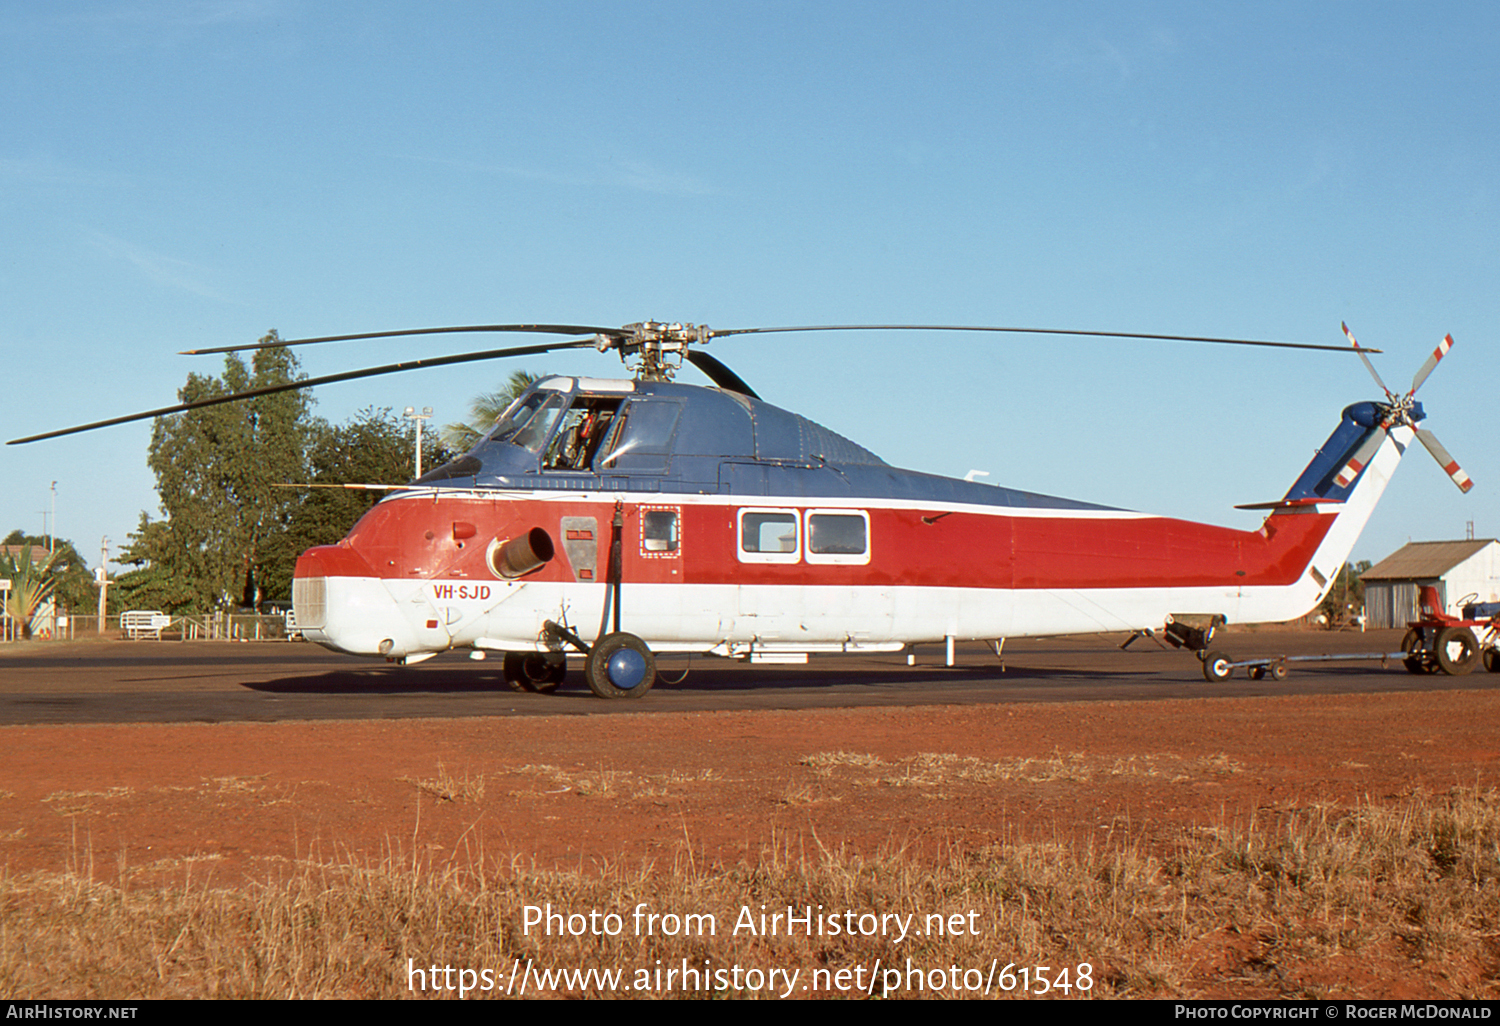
[716, 679]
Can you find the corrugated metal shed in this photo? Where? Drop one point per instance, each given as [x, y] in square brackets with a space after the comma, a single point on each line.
[1424, 560]
[1456, 568]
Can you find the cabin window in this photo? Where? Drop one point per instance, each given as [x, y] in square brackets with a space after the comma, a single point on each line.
[644, 438]
[838, 536]
[659, 529]
[769, 536]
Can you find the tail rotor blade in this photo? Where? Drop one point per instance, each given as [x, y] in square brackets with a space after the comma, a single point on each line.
[1361, 458]
[1432, 361]
[1447, 462]
[1368, 365]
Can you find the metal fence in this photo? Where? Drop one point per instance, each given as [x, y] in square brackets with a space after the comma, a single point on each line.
[208, 627]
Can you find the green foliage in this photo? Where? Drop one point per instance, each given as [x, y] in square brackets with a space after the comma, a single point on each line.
[485, 409]
[373, 448]
[1346, 597]
[31, 584]
[217, 474]
[153, 584]
[74, 584]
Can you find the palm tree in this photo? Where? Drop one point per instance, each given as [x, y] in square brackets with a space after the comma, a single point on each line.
[31, 584]
[485, 409]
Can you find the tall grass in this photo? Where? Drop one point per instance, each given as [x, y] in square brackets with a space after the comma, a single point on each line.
[1408, 890]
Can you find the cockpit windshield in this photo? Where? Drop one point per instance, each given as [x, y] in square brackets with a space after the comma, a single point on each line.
[529, 420]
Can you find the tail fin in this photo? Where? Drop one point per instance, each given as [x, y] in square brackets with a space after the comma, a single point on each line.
[1324, 488]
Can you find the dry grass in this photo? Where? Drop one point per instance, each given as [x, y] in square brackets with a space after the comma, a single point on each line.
[931, 769]
[446, 787]
[1409, 890]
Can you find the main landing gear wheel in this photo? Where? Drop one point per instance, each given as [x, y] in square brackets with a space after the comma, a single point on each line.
[1457, 650]
[1216, 667]
[1417, 660]
[620, 666]
[541, 672]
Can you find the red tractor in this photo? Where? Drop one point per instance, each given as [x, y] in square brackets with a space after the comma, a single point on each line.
[1441, 642]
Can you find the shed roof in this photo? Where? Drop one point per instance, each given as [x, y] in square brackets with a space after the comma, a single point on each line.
[1424, 559]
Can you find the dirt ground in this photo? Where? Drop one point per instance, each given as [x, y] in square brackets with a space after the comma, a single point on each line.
[569, 791]
[236, 800]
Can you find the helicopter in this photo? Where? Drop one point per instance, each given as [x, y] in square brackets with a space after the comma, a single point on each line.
[706, 520]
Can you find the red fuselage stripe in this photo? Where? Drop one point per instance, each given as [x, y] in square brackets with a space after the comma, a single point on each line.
[415, 540]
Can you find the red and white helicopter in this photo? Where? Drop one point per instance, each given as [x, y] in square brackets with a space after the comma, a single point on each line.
[614, 519]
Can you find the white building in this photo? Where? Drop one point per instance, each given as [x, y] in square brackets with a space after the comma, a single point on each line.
[1460, 569]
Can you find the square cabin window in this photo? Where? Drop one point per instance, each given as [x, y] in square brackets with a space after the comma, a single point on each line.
[769, 536]
[838, 536]
[659, 531]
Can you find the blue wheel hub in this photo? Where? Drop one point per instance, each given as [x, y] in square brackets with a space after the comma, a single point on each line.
[626, 668]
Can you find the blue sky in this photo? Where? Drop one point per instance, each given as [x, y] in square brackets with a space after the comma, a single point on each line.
[180, 174]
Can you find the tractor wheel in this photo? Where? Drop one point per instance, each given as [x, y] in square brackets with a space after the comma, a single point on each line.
[1457, 650]
[620, 666]
[1417, 660]
[1492, 660]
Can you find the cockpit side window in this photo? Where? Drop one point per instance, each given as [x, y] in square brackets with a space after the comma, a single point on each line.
[583, 429]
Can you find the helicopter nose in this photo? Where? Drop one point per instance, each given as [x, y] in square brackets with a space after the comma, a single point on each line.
[341, 603]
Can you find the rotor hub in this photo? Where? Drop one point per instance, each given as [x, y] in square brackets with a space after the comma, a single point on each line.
[656, 347]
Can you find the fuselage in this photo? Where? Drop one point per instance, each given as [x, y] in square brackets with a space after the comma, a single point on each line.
[747, 529]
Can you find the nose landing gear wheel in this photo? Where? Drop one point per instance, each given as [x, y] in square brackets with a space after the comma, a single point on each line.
[620, 666]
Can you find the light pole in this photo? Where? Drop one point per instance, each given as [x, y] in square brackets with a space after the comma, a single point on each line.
[52, 538]
[101, 577]
[412, 414]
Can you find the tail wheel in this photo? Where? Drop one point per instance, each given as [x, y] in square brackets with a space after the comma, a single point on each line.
[1216, 667]
[1457, 650]
[620, 665]
[541, 672]
[1418, 659]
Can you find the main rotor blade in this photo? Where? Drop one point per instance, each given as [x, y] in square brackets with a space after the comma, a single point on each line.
[1432, 361]
[1368, 365]
[718, 332]
[535, 329]
[369, 372]
[1447, 462]
[719, 374]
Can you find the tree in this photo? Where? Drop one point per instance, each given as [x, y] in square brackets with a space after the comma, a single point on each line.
[485, 409]
[217, 471]
[31, 584]
[1346, 596]
[153, 584]
[375, 448]
[74, 585]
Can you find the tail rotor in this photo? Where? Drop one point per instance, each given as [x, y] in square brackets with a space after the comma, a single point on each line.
[1401, 410]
